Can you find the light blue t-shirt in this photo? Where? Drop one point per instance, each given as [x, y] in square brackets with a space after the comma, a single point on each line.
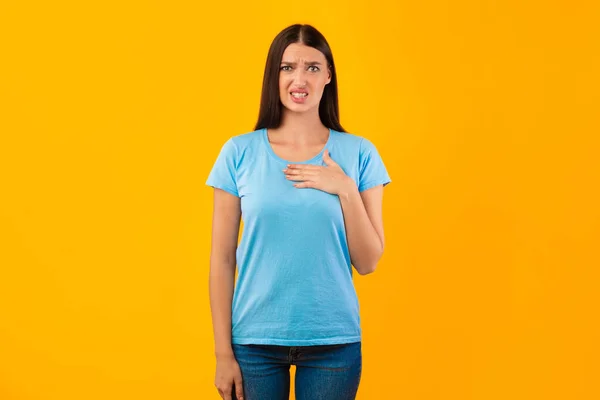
[294, 285]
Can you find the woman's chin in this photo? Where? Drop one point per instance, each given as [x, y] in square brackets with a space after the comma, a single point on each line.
[299, 108]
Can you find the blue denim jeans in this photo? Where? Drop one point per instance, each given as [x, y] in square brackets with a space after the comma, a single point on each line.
[323, 372]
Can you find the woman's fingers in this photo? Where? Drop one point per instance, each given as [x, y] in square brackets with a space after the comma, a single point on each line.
[225, 388]
[238, 386]
[301, 175]
[228, 376]
[306, 184]
[227, 393]
[304, 166]
[301, 171]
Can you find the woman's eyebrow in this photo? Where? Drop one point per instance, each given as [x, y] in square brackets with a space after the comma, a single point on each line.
[307, 63]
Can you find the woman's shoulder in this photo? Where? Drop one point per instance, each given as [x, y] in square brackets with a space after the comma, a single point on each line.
[239, 143]
[354, 140]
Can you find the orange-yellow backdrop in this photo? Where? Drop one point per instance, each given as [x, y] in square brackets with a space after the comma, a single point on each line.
[485, 112]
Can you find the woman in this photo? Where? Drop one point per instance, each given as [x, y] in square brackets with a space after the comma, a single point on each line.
[311, 200]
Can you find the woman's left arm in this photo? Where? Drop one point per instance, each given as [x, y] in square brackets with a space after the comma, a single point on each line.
[364, 225]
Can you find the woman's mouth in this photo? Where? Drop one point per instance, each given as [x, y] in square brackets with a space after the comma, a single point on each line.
[299, 97]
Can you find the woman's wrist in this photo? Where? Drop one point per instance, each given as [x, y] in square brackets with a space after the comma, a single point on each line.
[224, 353]
[348, 189]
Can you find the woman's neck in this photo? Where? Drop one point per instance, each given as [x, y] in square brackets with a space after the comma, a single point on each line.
[301, 128]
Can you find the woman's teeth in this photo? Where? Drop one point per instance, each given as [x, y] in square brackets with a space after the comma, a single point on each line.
[299, 95]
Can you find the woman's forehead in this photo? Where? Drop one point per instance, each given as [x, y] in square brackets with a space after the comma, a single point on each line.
[302, 53]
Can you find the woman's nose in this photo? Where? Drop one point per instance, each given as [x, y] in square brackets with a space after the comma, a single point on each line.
[300, 76]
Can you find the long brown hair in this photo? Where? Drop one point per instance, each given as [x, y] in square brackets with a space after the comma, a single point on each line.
[270, 104]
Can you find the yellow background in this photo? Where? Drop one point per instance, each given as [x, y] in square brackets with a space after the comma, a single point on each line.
[485, 112]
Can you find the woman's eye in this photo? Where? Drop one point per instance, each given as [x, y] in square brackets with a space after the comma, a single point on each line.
[285, 68]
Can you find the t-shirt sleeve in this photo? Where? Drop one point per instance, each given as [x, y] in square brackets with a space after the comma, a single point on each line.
[223, 173]
[372, 171]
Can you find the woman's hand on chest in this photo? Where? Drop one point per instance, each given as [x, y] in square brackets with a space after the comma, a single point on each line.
[329, 178]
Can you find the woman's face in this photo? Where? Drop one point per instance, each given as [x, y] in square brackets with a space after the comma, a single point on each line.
[303, 74]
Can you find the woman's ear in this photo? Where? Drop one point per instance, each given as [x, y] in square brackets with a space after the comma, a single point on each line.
[329, 77]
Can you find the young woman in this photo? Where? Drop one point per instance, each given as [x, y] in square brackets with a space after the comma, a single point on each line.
[310, 196]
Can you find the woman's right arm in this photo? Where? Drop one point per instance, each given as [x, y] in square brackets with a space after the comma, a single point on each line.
[225, 230]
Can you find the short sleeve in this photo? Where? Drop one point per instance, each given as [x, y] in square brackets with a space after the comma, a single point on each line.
[372, 171]
[223, 173]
